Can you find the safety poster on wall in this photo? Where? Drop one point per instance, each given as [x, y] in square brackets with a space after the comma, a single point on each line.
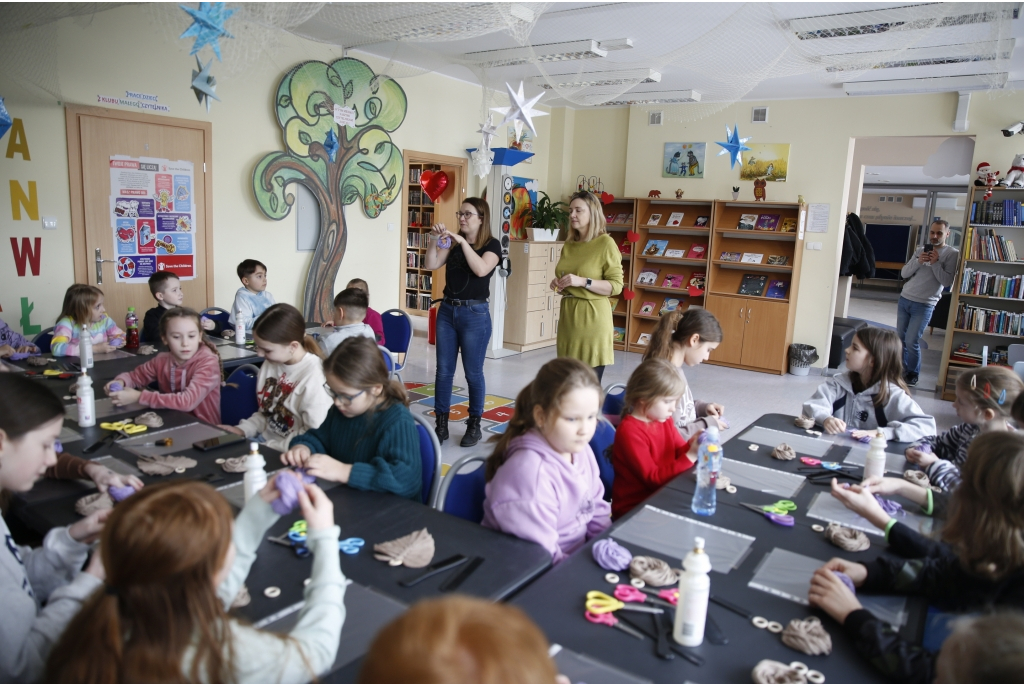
[152, 214]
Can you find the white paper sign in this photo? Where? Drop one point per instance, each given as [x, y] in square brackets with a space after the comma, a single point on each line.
[817, 217]
[344, 116]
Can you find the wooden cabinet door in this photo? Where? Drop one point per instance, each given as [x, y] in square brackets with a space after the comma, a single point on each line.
[764, 340]
[731, 314]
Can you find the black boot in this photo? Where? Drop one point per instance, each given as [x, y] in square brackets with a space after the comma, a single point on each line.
[441, 426]
[473, 434]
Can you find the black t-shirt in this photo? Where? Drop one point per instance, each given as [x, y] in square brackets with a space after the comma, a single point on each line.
[460, 281]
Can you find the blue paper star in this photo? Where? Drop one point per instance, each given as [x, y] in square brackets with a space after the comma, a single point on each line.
[207, 25]
[331, 145]
[734, 146]
[5, 119]
[203, 84]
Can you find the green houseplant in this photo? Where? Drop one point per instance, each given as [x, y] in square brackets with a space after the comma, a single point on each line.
[548, 214]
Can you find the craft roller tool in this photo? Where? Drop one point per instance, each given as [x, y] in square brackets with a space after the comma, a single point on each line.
[735, 608]
[459, 577]
[436, 568]
[666, 625]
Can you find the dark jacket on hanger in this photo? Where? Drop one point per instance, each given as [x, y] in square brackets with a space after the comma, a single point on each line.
[858, 256]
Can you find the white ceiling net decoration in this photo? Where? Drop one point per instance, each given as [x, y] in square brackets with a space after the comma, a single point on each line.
[692, 60]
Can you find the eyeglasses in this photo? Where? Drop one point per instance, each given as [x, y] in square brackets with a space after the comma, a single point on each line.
[339, 397]
[466, 215]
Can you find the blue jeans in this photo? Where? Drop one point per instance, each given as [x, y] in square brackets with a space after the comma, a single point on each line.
[911, 320]
[467, 329]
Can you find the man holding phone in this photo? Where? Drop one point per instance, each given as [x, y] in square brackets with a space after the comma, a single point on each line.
[931, 269]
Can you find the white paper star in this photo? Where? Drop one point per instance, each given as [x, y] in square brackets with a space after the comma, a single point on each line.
[487, 131]
[203, 84]
[482, 160]
[520, 110]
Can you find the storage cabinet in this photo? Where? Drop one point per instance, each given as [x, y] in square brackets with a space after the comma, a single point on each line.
[531, 314]
[753, 332]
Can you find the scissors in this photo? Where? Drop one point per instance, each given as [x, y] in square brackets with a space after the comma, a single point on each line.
[287, 541]
[124, 427]
[600, 603]
[297, 533]
[351, 545]
[628, 593]
[610, 620]
[670, 595]
[783, 506]
[770, 514]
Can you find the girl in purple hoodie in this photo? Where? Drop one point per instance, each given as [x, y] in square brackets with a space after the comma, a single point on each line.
[542, 479]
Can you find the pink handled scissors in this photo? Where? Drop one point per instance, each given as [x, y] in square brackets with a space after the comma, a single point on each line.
[610, 620]
[670, 595]
[628, 593]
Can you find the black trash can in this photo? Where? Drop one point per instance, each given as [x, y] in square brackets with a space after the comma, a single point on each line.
[801, 357]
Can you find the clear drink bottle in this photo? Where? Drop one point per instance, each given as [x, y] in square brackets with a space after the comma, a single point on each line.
[709, 465]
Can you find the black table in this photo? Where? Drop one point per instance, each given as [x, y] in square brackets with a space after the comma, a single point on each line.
[555, 601]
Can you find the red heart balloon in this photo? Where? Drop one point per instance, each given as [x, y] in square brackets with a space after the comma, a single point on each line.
[607, 198]
[628, 294]
[433, 183]
[632, 236]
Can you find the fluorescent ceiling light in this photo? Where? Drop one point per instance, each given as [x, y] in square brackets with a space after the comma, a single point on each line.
[931, 15]
[597, 78]
[983, 51]
[939, 84]
[655, 97]
[551, 52]
[616, 44]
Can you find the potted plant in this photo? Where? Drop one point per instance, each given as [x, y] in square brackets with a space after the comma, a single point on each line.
[553, 216]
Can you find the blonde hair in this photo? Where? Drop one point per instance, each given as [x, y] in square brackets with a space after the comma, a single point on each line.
[991, 387]
[983, 649]
[654, 378]
[78, 303]
[597, 226]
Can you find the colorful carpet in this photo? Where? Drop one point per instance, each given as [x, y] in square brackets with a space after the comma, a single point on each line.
[497, 410]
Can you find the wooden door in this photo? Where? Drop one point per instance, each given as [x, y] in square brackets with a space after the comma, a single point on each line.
[731, 314]
[764, 341]
[94, 136]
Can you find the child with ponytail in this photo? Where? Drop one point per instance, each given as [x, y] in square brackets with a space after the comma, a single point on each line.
[368, 439]
[83, 314]
[290, 387]
[687, 338]
[543, 483]
[188, 375]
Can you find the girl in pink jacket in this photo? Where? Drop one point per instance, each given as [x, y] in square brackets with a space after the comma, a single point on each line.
[189, 375]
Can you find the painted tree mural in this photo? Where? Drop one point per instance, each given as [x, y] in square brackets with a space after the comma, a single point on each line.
[339, 164]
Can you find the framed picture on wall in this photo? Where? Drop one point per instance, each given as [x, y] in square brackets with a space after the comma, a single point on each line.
[769, 161]
[683, 160]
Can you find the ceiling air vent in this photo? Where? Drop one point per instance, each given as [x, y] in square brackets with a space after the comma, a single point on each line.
[654, 118]
[759, 115]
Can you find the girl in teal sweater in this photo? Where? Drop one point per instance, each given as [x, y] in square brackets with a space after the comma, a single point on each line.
[369, 438]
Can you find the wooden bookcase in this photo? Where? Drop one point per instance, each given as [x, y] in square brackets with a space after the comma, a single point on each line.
[418, 285]
[954, 363]
[682, 237]
[618, 230]
[757, 329]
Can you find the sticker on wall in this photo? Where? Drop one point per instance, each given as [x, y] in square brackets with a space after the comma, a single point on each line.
[768, 161]
[5, 119]
[683, 160]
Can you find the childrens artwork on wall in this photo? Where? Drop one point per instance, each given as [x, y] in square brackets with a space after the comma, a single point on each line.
[655, 248]
[683, 160]
[769, 161]
[524, 199]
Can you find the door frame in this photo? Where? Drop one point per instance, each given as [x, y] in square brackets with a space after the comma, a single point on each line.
[72, 115]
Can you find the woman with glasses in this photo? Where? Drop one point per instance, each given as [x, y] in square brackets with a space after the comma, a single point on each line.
[464, 318]
[589, 273]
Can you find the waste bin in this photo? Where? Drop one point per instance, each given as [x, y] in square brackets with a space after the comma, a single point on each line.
[801, 357]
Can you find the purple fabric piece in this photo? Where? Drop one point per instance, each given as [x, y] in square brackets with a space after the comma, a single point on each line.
[864, 438]
[889, 507]
[289, 486]
[925, 447]
[611, 556]
[116, 386]
[846, 581]
[18, 356]
[117, 494]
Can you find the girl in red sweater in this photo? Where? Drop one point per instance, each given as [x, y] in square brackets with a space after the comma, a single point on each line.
[648, 450]
[189, 375]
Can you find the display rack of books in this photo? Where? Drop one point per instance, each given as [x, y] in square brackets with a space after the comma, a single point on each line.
[620, 216]
[754, 263]
[987, 300]
[670, 262]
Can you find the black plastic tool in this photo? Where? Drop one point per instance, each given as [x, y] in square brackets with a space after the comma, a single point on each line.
[460, 576]
[713, 633]
[735, 608]
[435, 568]
[694, 659]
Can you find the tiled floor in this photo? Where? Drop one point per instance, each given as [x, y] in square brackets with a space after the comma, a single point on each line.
[745, 394]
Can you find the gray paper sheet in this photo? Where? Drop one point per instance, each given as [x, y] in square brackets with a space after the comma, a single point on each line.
[894, 463]
[803, 444]
[825, 507]
[104, 408]
[117, 466]
[110, 356]
[229, 352]
[183, 437]
[762, 478]
[580, 668]
[68, 435]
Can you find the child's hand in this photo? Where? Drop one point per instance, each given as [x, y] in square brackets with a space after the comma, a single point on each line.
[125, 397]
[831, 595]
[102, 348]
[328, 468]
[859, 500]
[95, 567]
[859, 434]
[328, 324]
[715, 410]
[88, 529]
[6, 350]
[28, 348]
[232, 429]
[878, 485]
[297, 456]
[858, 573]
[833, 426]
[105, 479]
[919, 457]
[269, 492]
[317, 509]
[208, 324]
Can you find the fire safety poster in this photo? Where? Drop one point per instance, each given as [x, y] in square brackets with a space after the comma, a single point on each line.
[152, 214]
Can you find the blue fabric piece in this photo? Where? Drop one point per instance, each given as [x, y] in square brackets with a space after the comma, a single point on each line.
[465, 329]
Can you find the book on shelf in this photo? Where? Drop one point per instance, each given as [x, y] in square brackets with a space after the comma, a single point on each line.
[788, 225]
[672, 281]
[646, 309]
[701, 222]
[412, 260]
[753, 284]
[987, 245]
[752, 257]
[767, 222]
[644, 339]
[993, 285]
[999, 212]
[410, 280]
[618, 334]
[626, 247]
[777, 260]
[648, 276]
[412, 300]
[747, 222]
[623, 218]
[669, 305]
[414, 175]
[777, 289]
[697, 251]
[675, 254]
[413, 239]
[655, 248]
[698, 281]
[984, 320]
[675, 218]
[424, 282]
[425, 301]
[654, 220]
[610, 217]
[730, 257]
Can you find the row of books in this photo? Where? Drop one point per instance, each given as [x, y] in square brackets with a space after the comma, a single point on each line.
[659, 248]
[766, 222]
[753, 258]
[414, 175]
[416, 197]
[415, 300]
[996, 285]
[970, 318]
[1000, 354]
[675, 220]
[420, 281]
[986, 244]
[414, 239]
[695, 285]
[670, 304]
[415, 260]
[759, 285]
[424, 218]
[1001, 212]
[620, 218]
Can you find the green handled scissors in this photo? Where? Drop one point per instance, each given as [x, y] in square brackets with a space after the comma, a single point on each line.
[783, 506]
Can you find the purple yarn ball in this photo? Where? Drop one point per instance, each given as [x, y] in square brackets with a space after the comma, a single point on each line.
[611, 556]
[118, 493]
[289, 486]
[846, 581]
[889, 507]
[116, 386]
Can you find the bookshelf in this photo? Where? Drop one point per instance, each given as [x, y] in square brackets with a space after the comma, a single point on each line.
[662, 236]
[987, 299]
[418, 285]
[744, 267]
[620, 217]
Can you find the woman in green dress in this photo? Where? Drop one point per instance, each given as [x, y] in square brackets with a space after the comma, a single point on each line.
[589, 274]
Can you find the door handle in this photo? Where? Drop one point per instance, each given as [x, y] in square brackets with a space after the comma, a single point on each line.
[99, 265]
[742, 310]
[542, 329]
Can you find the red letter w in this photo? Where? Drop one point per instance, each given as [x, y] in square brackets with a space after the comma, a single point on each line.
[28, 252]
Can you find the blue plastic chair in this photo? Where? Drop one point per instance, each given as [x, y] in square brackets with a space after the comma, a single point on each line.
[217, 314]
[398, 333]
[238, 395]
[462, 494]
[614, 396]
[389, 361]
[601, 443]
[43, 339]
[430, 457]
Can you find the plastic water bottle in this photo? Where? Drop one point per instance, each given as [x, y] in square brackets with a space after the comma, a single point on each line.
[874, 463]
[239, 330]
[694, 592]
[709, 465]
[255, 478]
[85, 349]
[131, 327]
[86, 399]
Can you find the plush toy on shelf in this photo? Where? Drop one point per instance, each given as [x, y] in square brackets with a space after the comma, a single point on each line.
[1015, 176]
[986, 178]
[760, 192]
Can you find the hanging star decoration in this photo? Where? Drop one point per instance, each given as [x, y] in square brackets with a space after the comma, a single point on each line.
[487, 132]
[733, 145]
[520, 110]
[482, 158]
[5, 119]
[207, 25]
[203, 84]
[331, 145]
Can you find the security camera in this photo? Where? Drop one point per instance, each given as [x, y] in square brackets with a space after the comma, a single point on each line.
[1014, 129]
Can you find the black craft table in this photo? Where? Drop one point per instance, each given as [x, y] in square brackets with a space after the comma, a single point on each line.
[555, 601]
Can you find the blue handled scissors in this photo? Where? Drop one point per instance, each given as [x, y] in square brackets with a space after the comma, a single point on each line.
[351, 545]
[780, 519]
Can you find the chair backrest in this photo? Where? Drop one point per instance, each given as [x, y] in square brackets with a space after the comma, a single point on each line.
[614, 395]
[398, 332]
[1018, 368]
[462, 494]
[389, 361]
[430, 457]
[601, 443]
[238, 396]
[216, 314]
[1014, 354]
[43, 339]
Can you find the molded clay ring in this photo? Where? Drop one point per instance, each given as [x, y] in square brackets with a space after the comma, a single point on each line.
[637, 583]
[774, 627]
[818, 528]
[799, 666]
[759, 622]
[815, 677]
[731, 489]
[272, 592]
[612, 578]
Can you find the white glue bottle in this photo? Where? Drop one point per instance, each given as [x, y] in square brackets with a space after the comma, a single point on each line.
[255, 477]
[86, 399]
[874, 463]
[239, 331]
[694, 591]
[85, 349]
